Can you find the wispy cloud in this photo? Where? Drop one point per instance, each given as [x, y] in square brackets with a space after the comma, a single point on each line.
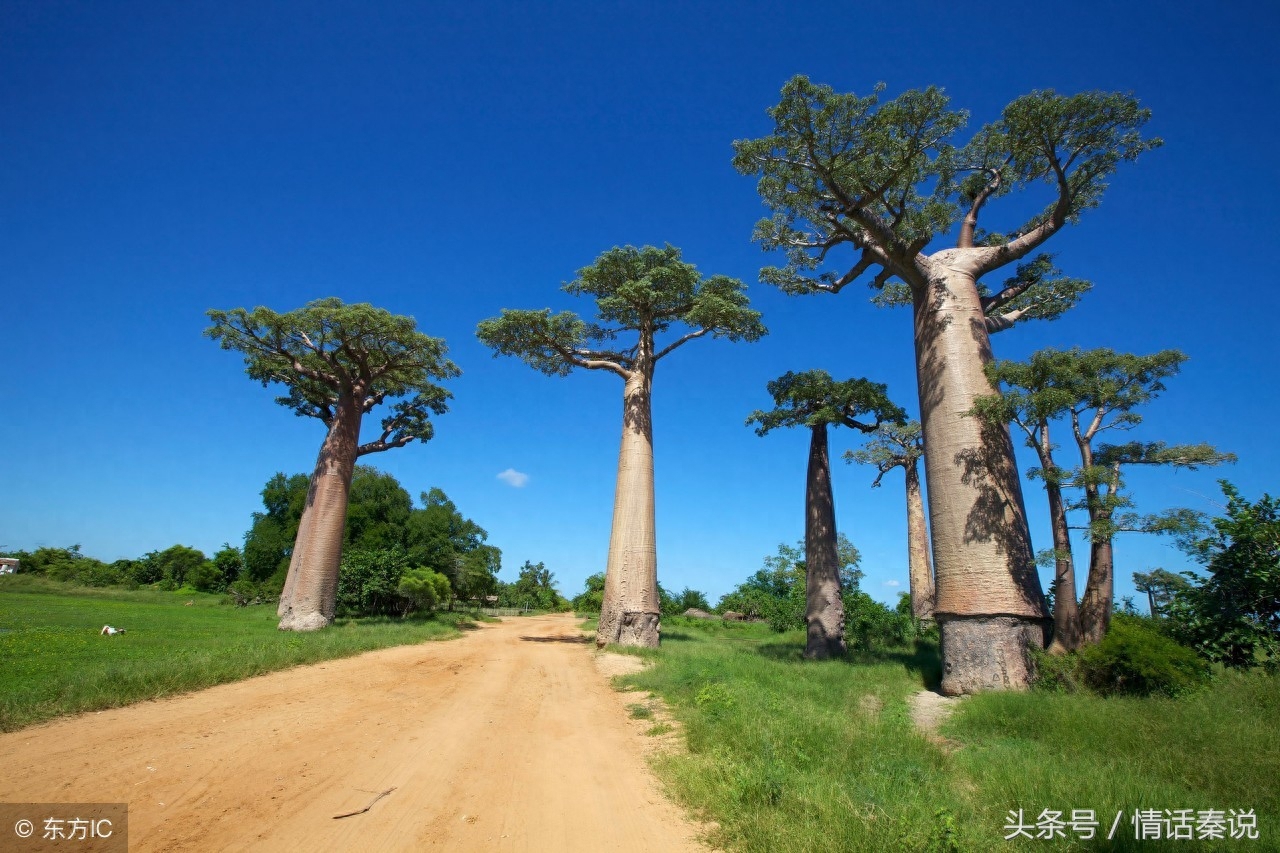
[512, 477]
[892, 583]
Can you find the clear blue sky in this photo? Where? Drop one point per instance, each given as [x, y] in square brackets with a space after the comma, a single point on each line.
[450, 160]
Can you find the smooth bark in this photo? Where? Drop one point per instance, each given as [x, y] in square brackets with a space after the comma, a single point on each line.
[1066, 614]
[824, 609]
[920, 568]
[1099, 589]
[309, 603]
[982, 546]
[630, 612]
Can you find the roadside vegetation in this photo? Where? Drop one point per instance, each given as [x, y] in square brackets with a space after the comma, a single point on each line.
[53, 660]
[792, 755]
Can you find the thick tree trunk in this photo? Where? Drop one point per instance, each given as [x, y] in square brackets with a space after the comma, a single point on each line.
[989, 607]
[299, 540]
[824, 609]
[630, 611]
[1099, 590]
[920, 569]
[317, 552]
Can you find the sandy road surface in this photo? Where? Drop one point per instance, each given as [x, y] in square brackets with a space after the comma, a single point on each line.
[507, 739]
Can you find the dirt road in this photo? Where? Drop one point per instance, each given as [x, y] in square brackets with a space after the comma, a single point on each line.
[507, 739]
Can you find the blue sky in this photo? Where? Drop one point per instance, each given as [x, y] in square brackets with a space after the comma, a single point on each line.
[447, 161]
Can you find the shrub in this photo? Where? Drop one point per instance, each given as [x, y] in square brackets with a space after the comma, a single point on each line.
[869, 624]
[206, 577]
[1233, 614]
[369, 582]
[1056, 673]
[424, 589]
[1135, 658]
[591, 598]
[245, 592]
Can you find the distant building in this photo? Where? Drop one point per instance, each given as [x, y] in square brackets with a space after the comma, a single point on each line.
[8, 565]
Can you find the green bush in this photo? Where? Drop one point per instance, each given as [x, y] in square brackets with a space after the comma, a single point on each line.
[206, 577]
[1232, 615]
[868, 624]
[369, 582]
[1056, 673]
[592, 597]
[1135, 658]
[424, 589]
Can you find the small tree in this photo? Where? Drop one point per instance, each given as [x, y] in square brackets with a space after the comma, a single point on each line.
[691, 599]
[884, 182]
[535, 587]
[1160, 587]
[648, 292]
[1098, 390]
[1107, 386]
[1233, 615]
[424, 589]
[900, 446]
[592, 597]
[337, 362]
[814, 400]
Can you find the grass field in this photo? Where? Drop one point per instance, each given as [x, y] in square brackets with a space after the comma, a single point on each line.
[789, 755]
[53, 660]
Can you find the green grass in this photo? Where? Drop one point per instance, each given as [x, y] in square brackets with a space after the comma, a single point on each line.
[789, 755]
[53, 660]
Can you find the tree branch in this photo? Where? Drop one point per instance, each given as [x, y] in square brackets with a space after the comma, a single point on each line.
[382, 444]
[970, 223]
[1020, 247]
[1000, 322]
[697, 333]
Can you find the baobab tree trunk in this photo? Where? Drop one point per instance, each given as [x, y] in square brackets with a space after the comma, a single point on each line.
[990, 608]
[920, 569]
[824, 609]
[1066, 614]
[630, 611]
[317, 552]
[1099, 590]
[301, 537]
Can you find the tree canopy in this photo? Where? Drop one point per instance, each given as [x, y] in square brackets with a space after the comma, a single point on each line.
[329, 354]
[812, 398]
[895, 445]
[647, 290]
[885, 179]
[1232, 614]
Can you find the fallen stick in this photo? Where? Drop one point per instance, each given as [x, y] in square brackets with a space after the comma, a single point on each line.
[366, 808]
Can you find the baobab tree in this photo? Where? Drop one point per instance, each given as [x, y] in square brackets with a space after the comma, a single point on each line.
[338, 362]
[814, 400]
[900, 446]
[884, 181]
[648, 292]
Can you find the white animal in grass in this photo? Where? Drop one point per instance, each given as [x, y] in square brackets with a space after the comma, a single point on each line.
[108, 631]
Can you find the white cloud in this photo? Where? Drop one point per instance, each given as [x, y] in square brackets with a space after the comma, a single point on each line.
[512, 477]
[892, 583]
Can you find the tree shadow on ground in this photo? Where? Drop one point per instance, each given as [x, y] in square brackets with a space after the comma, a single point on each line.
[561, 639]
[922, 658]
[676, 636]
